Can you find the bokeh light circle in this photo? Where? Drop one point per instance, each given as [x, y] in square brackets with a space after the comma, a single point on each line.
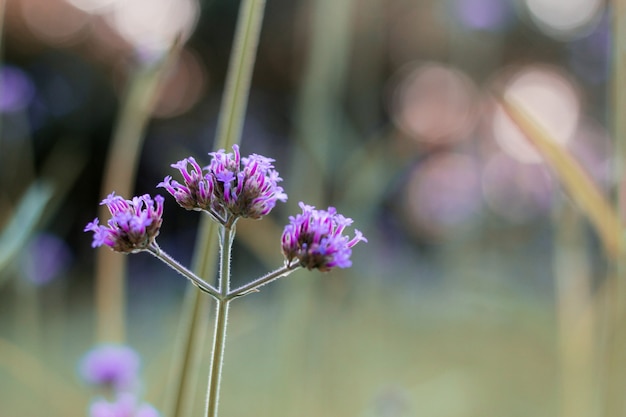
[92, 6]
[550, 98]
[54, 22]
[435, 103]
[515, 191]
[565, 19]
[443, 194]
[183, 87]
[153, 25]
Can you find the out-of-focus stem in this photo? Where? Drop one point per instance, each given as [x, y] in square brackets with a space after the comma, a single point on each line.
[119, 176]
[615, 340]
[575, 315]
[319, 129]
[235, 99]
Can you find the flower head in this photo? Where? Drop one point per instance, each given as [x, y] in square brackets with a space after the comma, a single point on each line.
[229, 186]
[244, 187]
[133, 224]
[110, 365]
[196, 193]
[315, 239]
[125, 405]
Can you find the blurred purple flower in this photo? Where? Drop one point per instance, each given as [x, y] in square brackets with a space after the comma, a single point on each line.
[484, 14]
[124, 406]
[590, 56]
[133, 226]
[231, 186]
[315, 238]
[16, 89]
[45, 257]
[196, 193]
[110, 365]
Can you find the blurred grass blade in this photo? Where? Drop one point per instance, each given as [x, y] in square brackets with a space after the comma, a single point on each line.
[239, 77]
[571, 175]
[26, 217]
[120, 172]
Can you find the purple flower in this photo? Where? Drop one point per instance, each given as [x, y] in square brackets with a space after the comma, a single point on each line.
[244, 187]
[125, 405]
[196, 193]
[110, 365]
[46, 257]
[17, 89]
[315, 238]
[229, 186]
[133, 225]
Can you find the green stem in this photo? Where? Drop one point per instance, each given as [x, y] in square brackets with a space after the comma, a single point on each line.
[221, 321]
[217, 357]
[240, 68]
[155, 250]
[266, 279]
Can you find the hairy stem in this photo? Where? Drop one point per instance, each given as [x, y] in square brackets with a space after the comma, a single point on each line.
[217, 357]
[266, 279]
[221, 320]
[155, 250]
[194, 325]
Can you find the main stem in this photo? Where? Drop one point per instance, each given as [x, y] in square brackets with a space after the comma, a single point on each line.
[231, 119]
[221, 320]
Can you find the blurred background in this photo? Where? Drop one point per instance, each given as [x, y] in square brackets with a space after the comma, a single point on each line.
[475, 295]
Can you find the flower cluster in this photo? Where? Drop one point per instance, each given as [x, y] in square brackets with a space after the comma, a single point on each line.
[115, 369]
[315, 238]
[125, 405]
[110, 365]
[229, 186]
[133, 226]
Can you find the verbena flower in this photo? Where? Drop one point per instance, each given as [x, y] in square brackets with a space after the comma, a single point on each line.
[245, 187]
[229, 186]
[125, 405]
[197, 192]
[315, 238]
[133, 225]
[109, 365]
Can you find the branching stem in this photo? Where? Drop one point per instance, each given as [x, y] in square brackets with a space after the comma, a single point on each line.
[155, 250]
